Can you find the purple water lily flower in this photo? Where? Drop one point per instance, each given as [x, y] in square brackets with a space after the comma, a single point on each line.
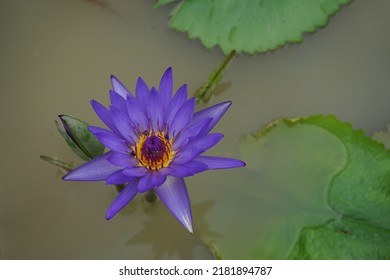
[155, 140]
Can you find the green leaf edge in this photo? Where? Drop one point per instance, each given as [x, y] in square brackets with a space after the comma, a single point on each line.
[205, 92]
[312, 29]
[70, 143]
[339, 226]
[76, 145]
[341, 133]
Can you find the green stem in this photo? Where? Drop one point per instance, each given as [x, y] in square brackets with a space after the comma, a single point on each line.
[214, 250]
[204, 93]
[67, 166]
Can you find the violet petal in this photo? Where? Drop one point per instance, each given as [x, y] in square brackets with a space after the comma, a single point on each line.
[110, 140]
[117, 101]
[137, 116]
[122, 159]
[103, 113]
[141, 92]
[97, 169]
[119, 87]
[123, 125]
[117, 178]
[155, 110]
[182, 117]
[150, 180]
[165, 88]
[191, 131]
[173, 193]
[220, 162]
[186, 169]
[215, 112]
[196, 147]
[135, 171]
[123, 198]
[176, 103]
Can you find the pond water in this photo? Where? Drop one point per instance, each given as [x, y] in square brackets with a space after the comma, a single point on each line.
[57, 55]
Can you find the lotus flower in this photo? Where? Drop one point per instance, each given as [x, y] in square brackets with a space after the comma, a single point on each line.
[155, 140]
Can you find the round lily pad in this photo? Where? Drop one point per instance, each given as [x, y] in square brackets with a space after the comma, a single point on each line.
[314, 188]
[250, 25]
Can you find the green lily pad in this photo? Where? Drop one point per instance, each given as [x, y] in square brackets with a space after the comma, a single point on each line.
[343, 239]
[360, 194]
[250, 26]
[79, 138]
[314, 188]
[362, 190]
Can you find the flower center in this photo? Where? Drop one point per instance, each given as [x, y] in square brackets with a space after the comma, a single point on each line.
[153, 151]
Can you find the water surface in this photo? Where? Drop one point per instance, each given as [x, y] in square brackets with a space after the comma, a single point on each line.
[57, 55]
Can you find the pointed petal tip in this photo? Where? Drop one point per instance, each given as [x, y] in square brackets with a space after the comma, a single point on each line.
[167, 74]
[168, 71]
[215, 112]
[97, 169]
[95, 105]
[183, 90]
[173, 193]
[222, 107]
[73, 176]
[186, 222]
[239, 163]
[69, 176]
[185, 219]
[213, 162]
[114, 79]
[119, 87]
[109, 216]
[140, 80]
[189, 227]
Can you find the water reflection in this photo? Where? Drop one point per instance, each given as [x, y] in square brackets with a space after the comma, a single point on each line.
[160, 232]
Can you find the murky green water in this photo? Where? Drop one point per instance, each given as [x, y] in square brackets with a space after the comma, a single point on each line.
[57, 55]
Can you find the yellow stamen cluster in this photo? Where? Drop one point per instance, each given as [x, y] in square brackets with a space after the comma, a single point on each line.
[154, 150]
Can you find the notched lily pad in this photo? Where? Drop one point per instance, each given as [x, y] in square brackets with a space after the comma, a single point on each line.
[250, 26]
[320, 189]
[360, 194]
[282, 189]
